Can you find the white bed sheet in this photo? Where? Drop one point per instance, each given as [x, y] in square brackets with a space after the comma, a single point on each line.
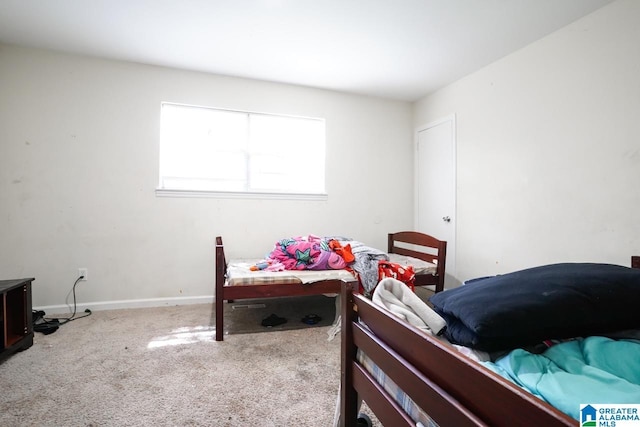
[239, 272]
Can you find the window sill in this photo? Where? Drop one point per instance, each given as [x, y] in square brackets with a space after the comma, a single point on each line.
[163, 192]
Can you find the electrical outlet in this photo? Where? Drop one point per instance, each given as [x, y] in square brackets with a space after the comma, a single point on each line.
[84, 272]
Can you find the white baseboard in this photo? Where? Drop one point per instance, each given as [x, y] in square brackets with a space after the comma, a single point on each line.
[137, 303]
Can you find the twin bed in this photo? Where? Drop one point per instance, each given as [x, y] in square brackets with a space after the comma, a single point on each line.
[235, 281]
[407, 376]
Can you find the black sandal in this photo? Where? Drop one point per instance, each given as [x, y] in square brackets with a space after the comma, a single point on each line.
[273, 320]
[311, 319]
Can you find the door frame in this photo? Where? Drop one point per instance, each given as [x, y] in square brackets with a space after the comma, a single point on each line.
[452, 249]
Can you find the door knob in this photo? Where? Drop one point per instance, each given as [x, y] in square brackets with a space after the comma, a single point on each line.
[446, 219]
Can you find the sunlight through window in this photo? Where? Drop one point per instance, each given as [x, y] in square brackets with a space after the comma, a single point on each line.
[207, 149]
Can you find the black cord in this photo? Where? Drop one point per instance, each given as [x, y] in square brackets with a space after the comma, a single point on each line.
[63, 320]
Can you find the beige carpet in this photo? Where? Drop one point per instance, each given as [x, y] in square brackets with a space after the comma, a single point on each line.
[162, 367]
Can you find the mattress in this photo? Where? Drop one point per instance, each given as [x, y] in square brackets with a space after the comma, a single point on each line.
[239, 272]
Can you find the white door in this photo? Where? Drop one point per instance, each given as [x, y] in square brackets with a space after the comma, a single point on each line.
[436, 186]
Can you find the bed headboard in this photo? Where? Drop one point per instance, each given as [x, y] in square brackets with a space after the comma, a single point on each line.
[635, 261]
[432, 250]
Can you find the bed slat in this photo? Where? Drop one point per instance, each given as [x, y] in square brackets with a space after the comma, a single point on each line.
[441, 407]
[391, 414]
[282, 290]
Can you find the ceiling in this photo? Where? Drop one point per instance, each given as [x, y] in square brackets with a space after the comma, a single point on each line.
[398, 49]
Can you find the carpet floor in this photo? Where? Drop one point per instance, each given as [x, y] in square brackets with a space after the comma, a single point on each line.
[162, 367]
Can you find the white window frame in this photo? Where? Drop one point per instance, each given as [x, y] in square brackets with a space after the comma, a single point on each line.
[167, 191]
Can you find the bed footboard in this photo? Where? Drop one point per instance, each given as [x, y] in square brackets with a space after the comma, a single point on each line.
[453, 389]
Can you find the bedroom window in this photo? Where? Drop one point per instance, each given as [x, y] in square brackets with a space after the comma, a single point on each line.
[208, 151]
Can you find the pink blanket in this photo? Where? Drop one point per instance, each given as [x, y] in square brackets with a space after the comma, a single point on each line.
[306, 253]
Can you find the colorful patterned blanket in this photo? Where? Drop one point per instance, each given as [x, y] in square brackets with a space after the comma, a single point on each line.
[308, 253]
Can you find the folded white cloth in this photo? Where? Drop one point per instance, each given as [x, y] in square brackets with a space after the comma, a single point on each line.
[398, 298]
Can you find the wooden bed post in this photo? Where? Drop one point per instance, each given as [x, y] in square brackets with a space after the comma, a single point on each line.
[442, 261]
[219, 291]
[348, 395]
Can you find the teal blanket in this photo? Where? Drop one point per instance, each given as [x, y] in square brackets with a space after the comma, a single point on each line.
[589, 370]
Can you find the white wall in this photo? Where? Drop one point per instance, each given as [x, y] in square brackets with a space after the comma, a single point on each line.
[548, 148]
[79, 166]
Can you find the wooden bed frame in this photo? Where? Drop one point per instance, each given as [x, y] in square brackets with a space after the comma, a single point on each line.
[452, 388]
[435, 252]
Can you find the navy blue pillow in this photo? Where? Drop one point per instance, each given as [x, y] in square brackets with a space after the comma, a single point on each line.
[548, 302]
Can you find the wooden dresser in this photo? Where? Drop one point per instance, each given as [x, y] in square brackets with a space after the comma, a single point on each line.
[16, 327]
